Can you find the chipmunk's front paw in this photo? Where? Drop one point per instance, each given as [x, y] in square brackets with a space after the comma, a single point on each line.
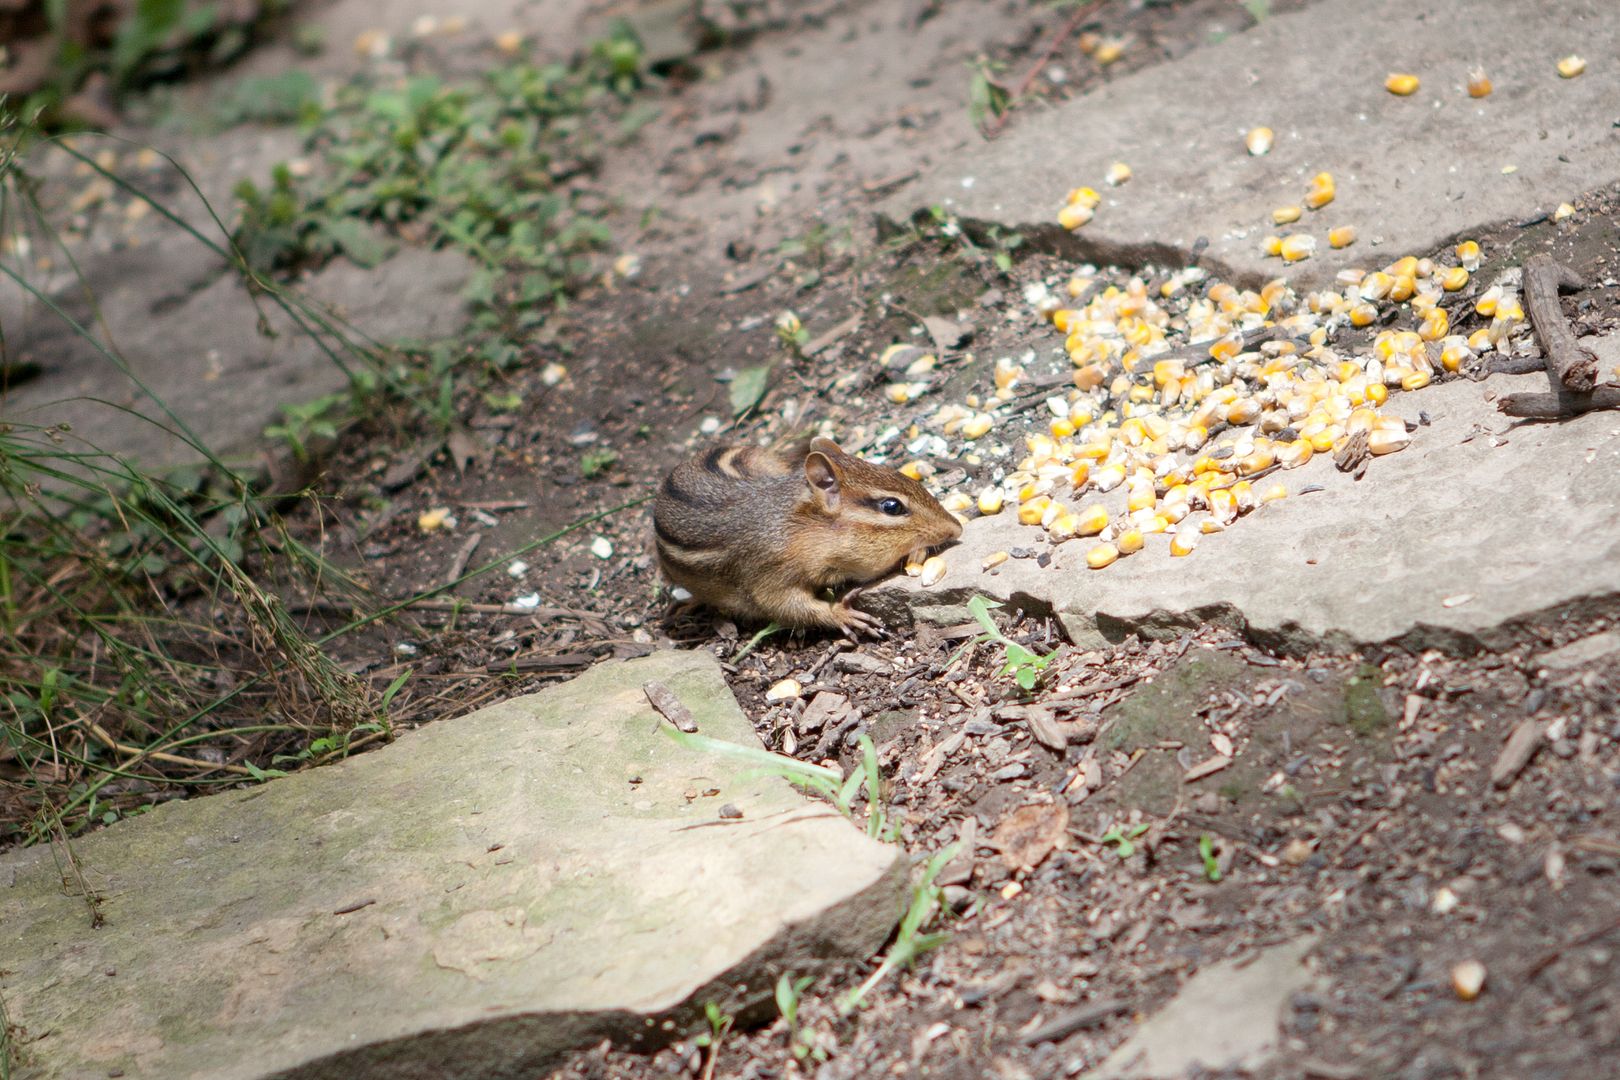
[855, 622]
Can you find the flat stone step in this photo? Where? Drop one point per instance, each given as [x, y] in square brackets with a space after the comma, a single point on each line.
[1411, 173]
[1472, 530]
[469, 902]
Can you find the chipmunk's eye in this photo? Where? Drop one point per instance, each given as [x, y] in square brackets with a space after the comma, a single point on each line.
[892, 506]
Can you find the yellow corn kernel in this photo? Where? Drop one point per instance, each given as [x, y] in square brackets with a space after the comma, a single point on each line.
[1273, 493]
[1223, 504]
[1286, 215]
[1194, 437]
[1083, 196]
[1342, 237]
[1211, 525]
[1479, 84]
[1417, 380]
[991, 500]
[1118, 173]
[1091, 521]
[1246, 411]
[1363, 315]
[1271, 245]
[1030, 512]
[1377, 393]
[1480, 340]
[1184, 539]
[1073, 216]
[1081, 474]
[1061, 427]
[1565, 210]
[1453, 278]
[1108, 477]
[1486, 302]
[917, 470]
[1293, 455]
[1243, 495]
[1096, 450]
[1258, 141]
[1321, 192]
[1468, 255]
[1297, 246]
[1129, 542]
[1401, 85]
[1376, 285]
[1436, 325]
[1141, 497]
[976, 426]
[1108, 51]
[993, 560]
[1322, 441]
[1062, 526]
[1223, 349]
[1089, 376]
[1571, 66]
[1405, 266]
[1262, 459]
[1454, 353]
[1102, 555]
[1387, 441]
[1403, 288]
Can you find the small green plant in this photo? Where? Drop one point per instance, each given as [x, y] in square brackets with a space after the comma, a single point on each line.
[838, 789]
[302, 424]
[1023, 665]
[1206, 852]
[719, 1024]
[595, 463]
[789, 993]
[910, 943]
[988, 99]
[1122, 839]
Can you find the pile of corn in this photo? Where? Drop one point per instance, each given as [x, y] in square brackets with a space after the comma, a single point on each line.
[1170, 408]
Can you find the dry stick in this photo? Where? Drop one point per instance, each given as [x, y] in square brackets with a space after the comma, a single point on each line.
[1568, 362]
[1558, 406]
[669, 706]
[993, 128]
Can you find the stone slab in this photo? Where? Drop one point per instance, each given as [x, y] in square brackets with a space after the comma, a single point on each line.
[1412, 173]
[468, 902]
[1455, 542]
[1224, 1018]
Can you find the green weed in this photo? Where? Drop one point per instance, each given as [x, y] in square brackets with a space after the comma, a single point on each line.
[1206, 852]
[1022, 664]
[789, 993]
[910, 943]
[1123, 839]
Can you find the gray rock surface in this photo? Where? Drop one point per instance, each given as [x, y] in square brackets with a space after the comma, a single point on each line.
[466, 903]
[1412, 172]
[1453, 543]
[1224, 1018]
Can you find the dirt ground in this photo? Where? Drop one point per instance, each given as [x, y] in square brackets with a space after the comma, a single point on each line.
[1362, 809]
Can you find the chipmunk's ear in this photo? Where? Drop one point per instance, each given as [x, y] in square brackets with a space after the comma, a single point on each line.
[822, 475]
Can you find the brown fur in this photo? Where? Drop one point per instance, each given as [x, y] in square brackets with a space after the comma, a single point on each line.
[762, 534]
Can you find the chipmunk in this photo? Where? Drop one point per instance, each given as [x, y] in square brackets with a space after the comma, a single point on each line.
[766, 533]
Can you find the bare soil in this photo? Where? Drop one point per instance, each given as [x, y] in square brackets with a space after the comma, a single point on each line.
[1359, 806]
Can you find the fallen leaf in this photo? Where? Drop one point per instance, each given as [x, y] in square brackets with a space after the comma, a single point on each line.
[748, 387]
[1029, 834]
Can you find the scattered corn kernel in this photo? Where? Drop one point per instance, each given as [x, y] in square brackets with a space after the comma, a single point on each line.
[1385, 441]
[1184, 540]
[1117, 174]
[1565, 210]
[1401, 85]
[933, 571]
[1092, 520]
[1453, 278]
[1297, 246]
[1468, 979]
[1129, 542]
[1571, 66]
[1273, 493]
[1342, 237]
[1074, 215]
[437, 518]
[1108, 51]
[1321, 192]
[1286, 215]
[1102, 555]
[1272, 245]
[1479, 84]
[1468, 255]
[990, 501]
[1258, 141]
[976, 426]
[1363, 315]
[993, 560]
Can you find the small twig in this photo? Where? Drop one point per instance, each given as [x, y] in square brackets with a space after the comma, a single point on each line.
[1061, 1027]
[465, 552]
[1548, 958]
[993, 128]
[136, 754]
[663, 699]
[1558, 406]
[1569, 363]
